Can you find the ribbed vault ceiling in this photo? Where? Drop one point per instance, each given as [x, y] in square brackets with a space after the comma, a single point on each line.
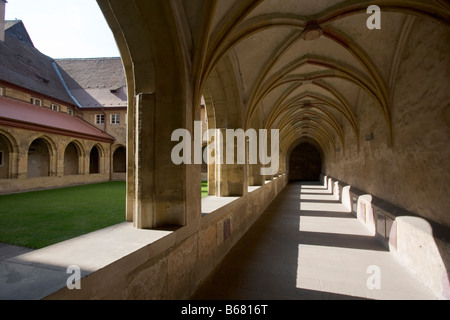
[304, 65]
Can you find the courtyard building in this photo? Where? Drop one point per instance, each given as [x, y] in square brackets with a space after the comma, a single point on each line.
[62, 122]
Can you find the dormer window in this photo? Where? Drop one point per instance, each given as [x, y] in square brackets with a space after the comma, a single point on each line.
[36, 102]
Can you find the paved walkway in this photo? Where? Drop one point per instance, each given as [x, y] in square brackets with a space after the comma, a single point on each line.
[308, 246]
[8, 251]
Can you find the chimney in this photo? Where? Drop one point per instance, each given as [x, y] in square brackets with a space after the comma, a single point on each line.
[2, 19]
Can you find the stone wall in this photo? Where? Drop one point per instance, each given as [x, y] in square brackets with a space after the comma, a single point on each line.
[27, 96]
[118, 131]
[19, 141]
[422, 246]
[174, 266]
[414, 171]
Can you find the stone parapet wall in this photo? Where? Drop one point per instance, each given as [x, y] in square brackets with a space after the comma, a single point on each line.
[421, 245]
[33, 184]
[175, 265]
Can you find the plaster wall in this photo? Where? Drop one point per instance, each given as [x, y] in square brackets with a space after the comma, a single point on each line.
[414, 172]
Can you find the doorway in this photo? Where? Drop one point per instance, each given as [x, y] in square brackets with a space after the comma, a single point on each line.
[305, 163]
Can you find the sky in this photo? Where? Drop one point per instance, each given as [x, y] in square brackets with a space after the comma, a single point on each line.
[65, 28]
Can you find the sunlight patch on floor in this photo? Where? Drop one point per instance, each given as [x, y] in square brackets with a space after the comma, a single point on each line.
[316, 191]
[320, 207]
[326, 269]
[332, 225]
[337, 254]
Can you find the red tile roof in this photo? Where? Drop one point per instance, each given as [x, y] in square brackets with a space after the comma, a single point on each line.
[23, 115]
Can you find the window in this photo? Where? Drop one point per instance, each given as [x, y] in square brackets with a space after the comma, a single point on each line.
[70, 112]
[99, 119]
[2, 91]
[1, 158]
[115, 119]
[54, 107]
[36, 102]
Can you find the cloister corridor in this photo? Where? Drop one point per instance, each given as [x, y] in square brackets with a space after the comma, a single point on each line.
[309, 90]
[307, 245]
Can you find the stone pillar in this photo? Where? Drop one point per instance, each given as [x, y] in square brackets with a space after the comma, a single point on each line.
[211, 166]
[131, 150]
[22, 166]
[144, 175]
[264, 155]
[162, 196]
[254, 175]
[53, 157]
[60, 160]
[283, 161]
[85, 160]
[230, 177]
[13, 172]
[254, 169]
[159, 69]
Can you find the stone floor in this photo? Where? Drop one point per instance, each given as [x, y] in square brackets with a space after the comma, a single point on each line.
[308, 246]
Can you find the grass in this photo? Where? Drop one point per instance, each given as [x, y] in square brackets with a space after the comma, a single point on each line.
[204, 189]
[42, 218]
[38, 219]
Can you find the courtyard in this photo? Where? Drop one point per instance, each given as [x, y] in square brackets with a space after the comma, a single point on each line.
[42, 218]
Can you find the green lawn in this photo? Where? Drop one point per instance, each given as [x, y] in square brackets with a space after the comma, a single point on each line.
[42, 218]
[204, 188]
[39, 219]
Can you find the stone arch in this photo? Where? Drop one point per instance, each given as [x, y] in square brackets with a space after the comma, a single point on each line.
[223, 103]
[73, 159]
[8, 148]
[223, 97]
[155, 52]
[95, 157]
[41, 154]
